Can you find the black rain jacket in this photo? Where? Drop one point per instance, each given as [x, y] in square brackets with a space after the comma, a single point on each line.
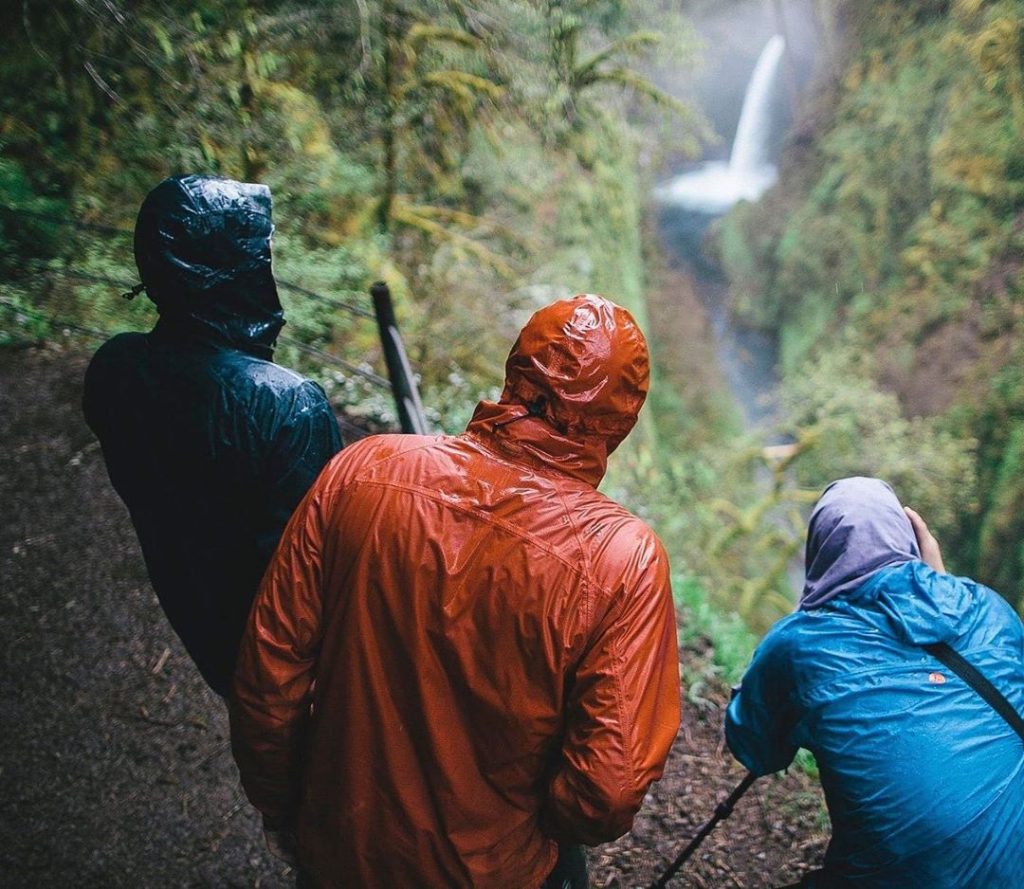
[210, 444]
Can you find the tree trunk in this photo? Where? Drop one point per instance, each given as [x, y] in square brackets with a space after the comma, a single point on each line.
[389, 137]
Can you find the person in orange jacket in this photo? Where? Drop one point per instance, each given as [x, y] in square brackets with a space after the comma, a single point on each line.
[462, 656]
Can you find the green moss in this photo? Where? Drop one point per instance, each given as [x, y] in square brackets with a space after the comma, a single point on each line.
[733, 642]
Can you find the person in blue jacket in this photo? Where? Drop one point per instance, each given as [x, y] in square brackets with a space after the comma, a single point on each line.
[210, 444]
[924, 781]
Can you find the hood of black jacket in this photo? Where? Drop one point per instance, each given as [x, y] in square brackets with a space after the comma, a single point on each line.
[202, 246]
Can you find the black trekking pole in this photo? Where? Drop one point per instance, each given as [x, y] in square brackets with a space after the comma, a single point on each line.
[722, 811]
[403, 383]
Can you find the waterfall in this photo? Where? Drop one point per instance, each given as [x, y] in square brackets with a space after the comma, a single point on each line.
[715, 186]
[748, 148]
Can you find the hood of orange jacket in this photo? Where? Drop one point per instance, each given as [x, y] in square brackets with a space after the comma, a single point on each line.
[575, 381]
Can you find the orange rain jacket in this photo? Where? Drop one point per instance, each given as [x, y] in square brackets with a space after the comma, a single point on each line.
[493, 642]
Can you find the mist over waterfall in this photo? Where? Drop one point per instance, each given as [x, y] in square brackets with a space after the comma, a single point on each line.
[715, 186]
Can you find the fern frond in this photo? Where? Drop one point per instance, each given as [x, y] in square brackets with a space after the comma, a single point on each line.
[629, 45]
[418, 217]
[419, 35]
[454, 79]
[469, 220]
[626, 78]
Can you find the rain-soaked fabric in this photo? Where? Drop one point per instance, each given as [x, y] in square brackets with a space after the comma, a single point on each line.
[857, 527]
[210, 446]
[202, 246]
[492, 641]
[924, 781]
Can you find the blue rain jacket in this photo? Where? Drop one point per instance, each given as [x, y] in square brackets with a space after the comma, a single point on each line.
[924, 781]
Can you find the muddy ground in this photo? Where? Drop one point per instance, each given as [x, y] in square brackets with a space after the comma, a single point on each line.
[114, 761]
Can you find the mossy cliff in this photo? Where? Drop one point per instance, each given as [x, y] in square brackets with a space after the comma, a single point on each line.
[887, 262]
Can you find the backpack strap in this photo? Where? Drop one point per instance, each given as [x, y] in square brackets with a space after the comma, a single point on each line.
[966, 671]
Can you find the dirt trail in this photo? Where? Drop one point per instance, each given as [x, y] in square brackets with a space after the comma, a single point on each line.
[114, 761]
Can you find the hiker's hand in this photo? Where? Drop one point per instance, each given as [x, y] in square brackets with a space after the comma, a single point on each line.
[926, 541]
[281, 841]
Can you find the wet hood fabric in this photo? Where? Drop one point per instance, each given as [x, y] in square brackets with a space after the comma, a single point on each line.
[857, 527]
[575, 381]
[202, 246]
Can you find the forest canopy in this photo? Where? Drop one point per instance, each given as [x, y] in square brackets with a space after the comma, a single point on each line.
[476, 155]
[487, 156]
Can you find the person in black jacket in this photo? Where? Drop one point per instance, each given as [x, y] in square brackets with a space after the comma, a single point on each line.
[209, 443]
